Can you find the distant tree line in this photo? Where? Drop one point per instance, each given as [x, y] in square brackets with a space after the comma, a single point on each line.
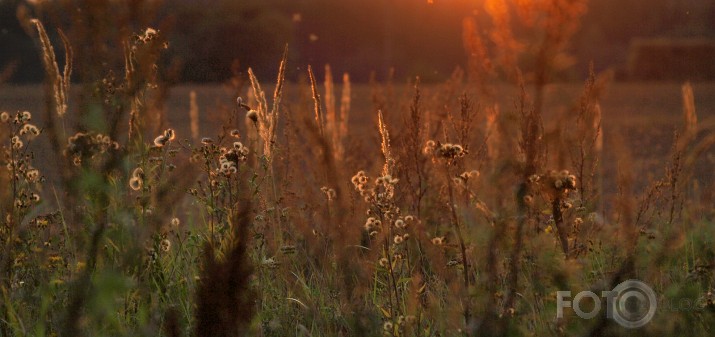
[212, 39]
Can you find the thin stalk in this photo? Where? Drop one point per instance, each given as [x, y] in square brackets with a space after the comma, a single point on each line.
[559, 222]
[462, 245]
[390, 270]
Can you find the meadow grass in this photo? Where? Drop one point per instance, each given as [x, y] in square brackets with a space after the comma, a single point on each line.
[453, 213]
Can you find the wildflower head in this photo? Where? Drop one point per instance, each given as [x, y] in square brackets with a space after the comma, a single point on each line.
[29, 129]
[360, 181]
[227, 167]
[150, 33]
[241, 104]
[357, 177]
[230, 158]
[466, 176]
[165, 245]
[446, 151]
[160, 141]
[450, 151]
[16, 142]
[429, 147]
[32, 175]
[169, 134]
[252, 115]
[138, 172]
[389, 180]
[329, 192]
[240, 149]
[135, 183]
[438, 240]
[559, 183]
[85, 145]
[372, 223]
[570, 181]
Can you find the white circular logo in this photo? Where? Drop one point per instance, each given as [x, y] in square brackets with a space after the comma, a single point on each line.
[634, 304]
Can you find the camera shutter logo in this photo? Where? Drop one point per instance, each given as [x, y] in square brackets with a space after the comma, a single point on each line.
[631, 304]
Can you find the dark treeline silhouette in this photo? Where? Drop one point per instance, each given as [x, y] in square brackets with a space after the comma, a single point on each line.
[211, 39]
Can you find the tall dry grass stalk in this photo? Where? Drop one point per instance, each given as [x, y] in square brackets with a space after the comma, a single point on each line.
[598, 126]
[333, 120]
[413, 159]
[267, 120]
[336, 121]
[262, 122]
[690, 128]
[135, 123]
[60, 82]
[318, 109]
[57, 87]
[586, 137]
[387, 169]
[345, 101]
[194, 115]
[278, 92]
[331, 115]
[492, 131]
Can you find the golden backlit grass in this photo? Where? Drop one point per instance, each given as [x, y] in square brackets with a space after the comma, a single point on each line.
[416, 210]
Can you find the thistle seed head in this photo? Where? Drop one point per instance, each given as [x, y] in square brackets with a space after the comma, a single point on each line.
[252, 115]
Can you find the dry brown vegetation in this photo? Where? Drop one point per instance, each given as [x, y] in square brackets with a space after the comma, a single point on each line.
[415, 210]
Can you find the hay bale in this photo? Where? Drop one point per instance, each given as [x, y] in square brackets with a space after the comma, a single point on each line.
[672, 59]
